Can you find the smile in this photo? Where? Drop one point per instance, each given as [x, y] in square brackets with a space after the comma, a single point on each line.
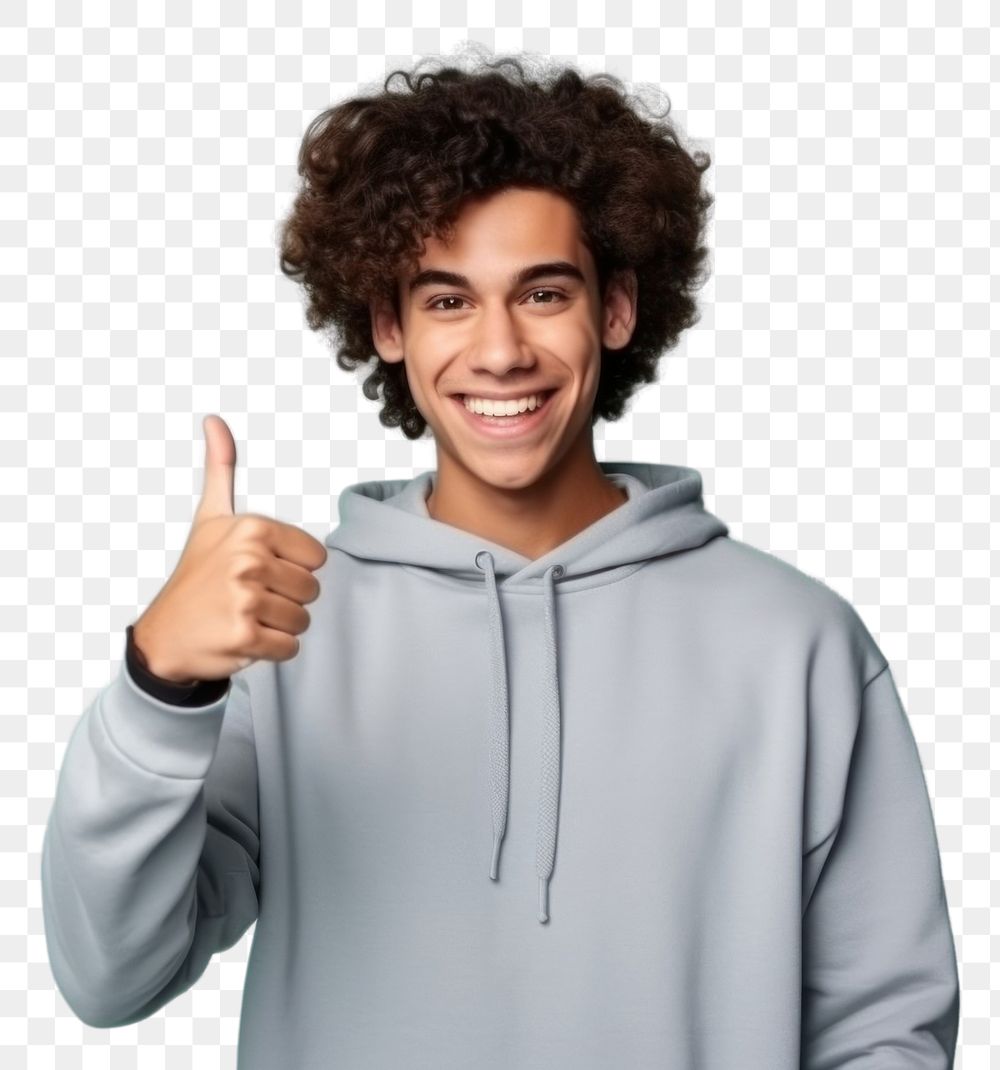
[520, 423]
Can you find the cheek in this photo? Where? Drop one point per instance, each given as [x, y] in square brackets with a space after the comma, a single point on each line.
[423, 366]
[571, 337]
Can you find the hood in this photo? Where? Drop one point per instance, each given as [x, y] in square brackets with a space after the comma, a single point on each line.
[387, 520]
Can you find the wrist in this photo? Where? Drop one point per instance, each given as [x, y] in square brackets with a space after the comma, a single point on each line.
[148, 654]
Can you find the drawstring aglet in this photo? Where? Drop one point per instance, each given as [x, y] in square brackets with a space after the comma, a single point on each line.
[543, 899]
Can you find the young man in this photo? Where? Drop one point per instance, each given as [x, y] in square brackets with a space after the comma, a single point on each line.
[531, 687]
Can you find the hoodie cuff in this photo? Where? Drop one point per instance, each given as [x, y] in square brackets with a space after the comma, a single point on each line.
[161, 737]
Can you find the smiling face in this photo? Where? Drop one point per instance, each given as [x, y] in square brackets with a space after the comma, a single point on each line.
[509, 308]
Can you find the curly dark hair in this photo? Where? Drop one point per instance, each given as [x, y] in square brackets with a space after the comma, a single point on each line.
[381, 172]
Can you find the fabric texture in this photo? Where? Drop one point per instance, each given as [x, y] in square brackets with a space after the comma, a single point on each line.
[650, 799]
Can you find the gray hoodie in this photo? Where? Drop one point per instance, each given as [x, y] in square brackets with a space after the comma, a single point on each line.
[649, 800]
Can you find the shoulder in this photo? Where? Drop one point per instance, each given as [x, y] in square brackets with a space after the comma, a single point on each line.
[771, 599]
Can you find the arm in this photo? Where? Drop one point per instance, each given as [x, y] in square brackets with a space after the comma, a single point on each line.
[880, 986]
[150, 855]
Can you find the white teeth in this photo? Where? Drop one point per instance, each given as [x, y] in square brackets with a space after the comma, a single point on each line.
[489, 407]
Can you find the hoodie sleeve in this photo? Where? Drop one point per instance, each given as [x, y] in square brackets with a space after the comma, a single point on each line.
[151, 850]
[880, 978]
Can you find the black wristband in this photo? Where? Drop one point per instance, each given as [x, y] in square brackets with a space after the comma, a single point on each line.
[200, 693]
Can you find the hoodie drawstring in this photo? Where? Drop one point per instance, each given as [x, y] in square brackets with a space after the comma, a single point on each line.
[499, 730]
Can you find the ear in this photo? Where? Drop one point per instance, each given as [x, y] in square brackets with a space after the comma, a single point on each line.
[620, 309]
[387, 334]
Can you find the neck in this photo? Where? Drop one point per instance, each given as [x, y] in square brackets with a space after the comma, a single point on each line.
[529, 520]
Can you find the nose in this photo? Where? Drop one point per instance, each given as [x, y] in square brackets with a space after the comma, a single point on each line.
[499, 343]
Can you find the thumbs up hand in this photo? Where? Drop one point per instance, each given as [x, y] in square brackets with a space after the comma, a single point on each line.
[238, 592]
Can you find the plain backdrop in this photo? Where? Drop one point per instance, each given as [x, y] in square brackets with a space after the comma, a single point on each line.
[836, 394]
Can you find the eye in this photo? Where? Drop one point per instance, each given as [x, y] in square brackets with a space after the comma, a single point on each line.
[555, 293]
[436, 303]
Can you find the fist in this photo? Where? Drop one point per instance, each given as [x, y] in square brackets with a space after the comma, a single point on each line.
[239, 589]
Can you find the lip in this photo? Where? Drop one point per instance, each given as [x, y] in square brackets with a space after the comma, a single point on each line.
[513, 426]
[507, 397]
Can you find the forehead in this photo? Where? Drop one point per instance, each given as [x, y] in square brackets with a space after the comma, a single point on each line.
[507, 229]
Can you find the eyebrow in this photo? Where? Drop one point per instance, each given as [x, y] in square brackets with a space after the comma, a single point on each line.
[436, 277]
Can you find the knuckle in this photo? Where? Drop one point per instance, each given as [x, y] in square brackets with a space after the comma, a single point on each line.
[245, 634]
[246, 564]
[252, 525]
[245, 603]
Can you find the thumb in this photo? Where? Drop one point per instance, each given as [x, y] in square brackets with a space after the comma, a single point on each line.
[218, 492]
